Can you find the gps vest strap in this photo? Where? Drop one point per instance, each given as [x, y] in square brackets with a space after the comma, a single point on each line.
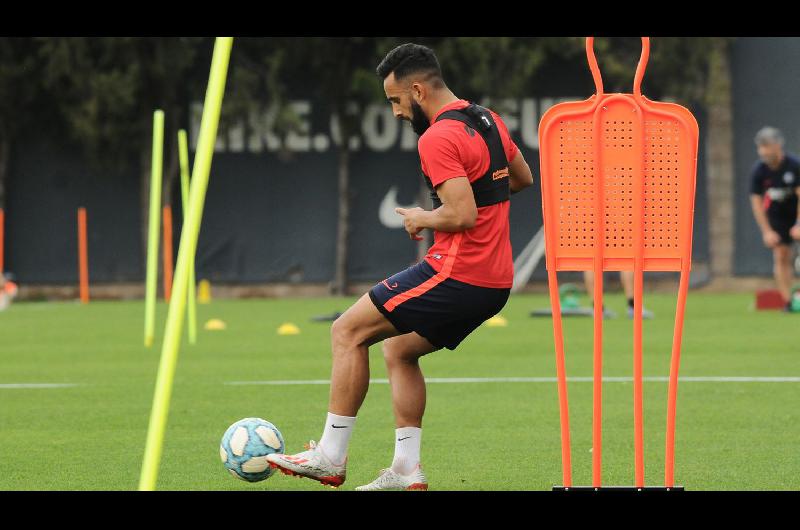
[492, 187]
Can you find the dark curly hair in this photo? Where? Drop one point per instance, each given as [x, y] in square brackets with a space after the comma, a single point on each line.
[409, 59]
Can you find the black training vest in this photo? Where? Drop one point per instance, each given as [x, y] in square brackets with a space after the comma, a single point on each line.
[492, 187]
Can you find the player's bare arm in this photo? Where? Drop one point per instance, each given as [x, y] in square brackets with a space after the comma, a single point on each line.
[770, 236]
[519, 173]
[456, 214]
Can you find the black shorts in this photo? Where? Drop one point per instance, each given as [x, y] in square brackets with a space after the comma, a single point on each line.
[443, 311]
[782, 224]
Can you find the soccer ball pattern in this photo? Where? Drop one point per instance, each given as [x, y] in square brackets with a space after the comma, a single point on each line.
[245, 446]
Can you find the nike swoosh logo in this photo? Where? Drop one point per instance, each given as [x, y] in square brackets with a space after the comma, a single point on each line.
[338, 426]
[401, 439]
[386, 213]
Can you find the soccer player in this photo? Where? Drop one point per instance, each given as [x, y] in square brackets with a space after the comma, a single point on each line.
[774, 191]
[471, 165]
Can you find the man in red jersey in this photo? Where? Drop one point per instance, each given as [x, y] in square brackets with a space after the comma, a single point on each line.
[471, 166]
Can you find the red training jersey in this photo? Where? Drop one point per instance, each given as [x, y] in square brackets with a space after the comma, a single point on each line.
[480, 255]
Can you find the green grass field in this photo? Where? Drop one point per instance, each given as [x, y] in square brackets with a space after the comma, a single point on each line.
[477, 436]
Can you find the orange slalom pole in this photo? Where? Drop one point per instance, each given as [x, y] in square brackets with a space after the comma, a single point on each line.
[638, 303]
[2, 238]
[597, 384]
[168, 264]
[672, 395]
[561, 375]
[83, 256]
[599, 242]
[638, 413]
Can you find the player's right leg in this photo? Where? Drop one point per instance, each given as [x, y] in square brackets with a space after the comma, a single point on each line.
[782, 255]
[351, 336]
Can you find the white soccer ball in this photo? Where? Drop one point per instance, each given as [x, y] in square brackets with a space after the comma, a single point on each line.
[245, 446]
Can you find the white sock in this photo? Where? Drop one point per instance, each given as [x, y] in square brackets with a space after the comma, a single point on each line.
[406, 449]
[336, 437]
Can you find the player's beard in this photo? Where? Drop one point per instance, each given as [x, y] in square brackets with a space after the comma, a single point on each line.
[419, 122]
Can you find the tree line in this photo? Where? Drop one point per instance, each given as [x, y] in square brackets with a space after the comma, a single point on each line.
[98, 94]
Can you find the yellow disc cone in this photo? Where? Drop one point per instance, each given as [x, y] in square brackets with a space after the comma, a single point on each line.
[288, 329]
[215, 324]
[497, 321]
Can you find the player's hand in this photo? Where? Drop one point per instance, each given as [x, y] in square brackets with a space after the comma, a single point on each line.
[410, 220]
[795, 232]
[771, 238]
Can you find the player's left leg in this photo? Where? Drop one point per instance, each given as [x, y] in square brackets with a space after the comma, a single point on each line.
[588, 282]
[361, 326]
[782, 255]
[783, 270]
[402, 354]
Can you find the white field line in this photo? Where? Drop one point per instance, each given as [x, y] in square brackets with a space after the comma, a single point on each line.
[37, 385]
[653, 379]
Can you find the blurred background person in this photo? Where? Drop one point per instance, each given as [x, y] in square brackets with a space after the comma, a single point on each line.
[774, 189]
[626, 278]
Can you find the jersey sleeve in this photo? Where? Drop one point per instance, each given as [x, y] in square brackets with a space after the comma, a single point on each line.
[440, 157]
[755, 181]
[510, 147]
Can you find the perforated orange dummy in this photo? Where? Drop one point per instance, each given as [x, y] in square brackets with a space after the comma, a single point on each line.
[618, 185]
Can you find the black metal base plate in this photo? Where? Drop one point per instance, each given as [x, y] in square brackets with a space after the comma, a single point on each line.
[565, 312]
[617, 488]
[326, 318]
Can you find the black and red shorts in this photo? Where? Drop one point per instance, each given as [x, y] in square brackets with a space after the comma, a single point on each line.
[782, 223]
[441, 309]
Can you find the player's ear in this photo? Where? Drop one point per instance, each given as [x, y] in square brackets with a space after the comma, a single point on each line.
[418, 92]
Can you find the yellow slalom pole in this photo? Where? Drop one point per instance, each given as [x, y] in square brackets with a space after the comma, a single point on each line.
[186, 250]
[183, 155]
[153, 232]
